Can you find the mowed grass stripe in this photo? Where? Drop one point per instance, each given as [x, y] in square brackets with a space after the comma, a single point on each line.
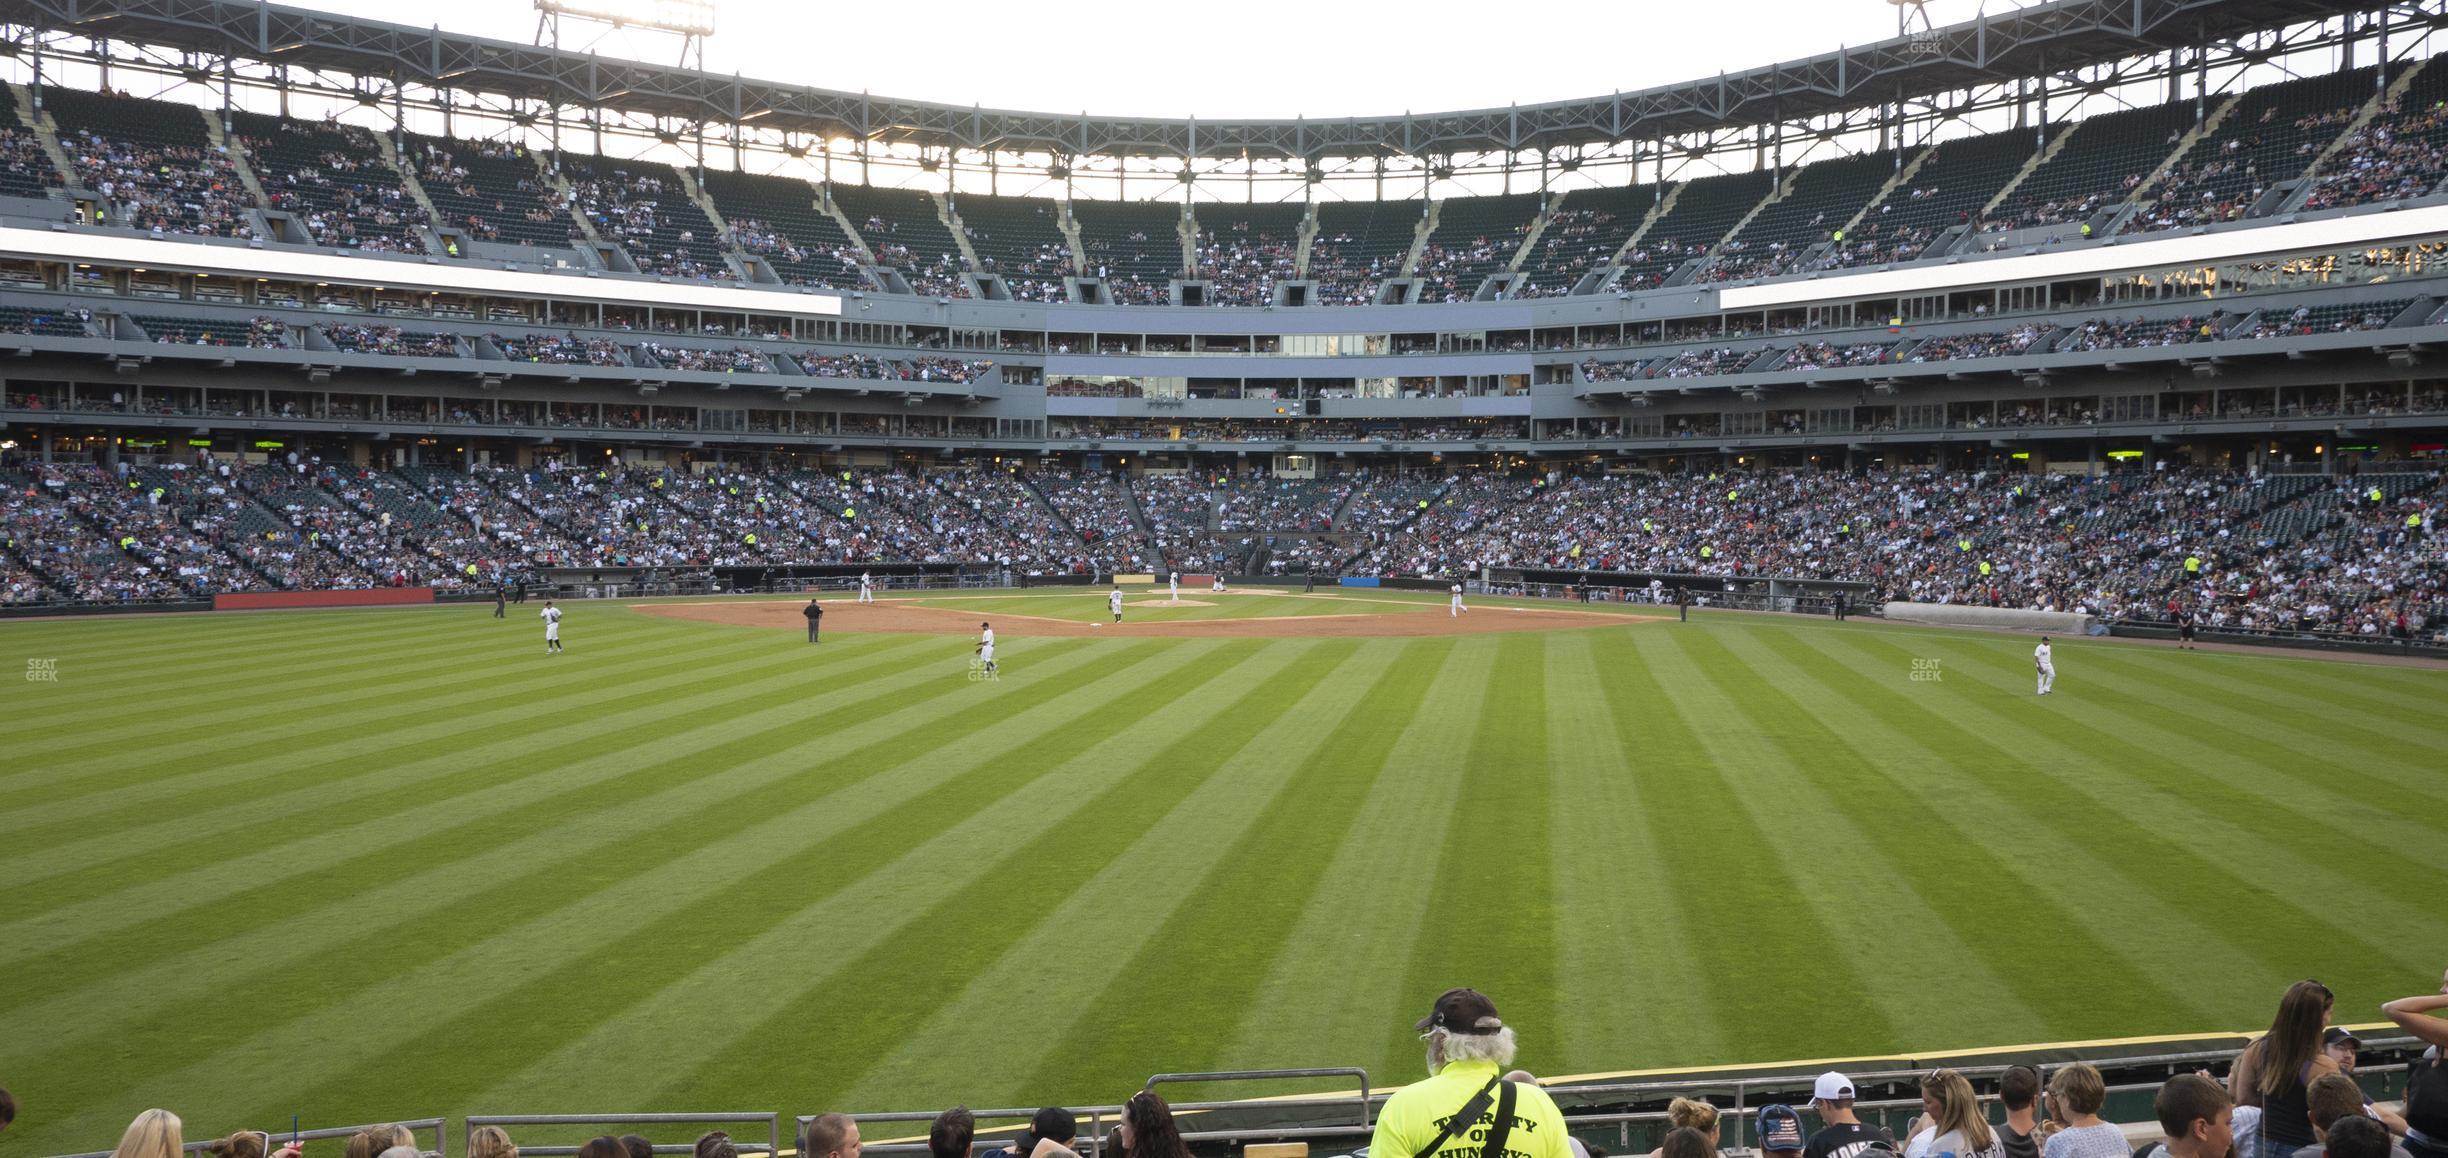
[112, 654]
[2220, 815]
[1244, 907]
[215, 655]
[1257, 757]
[2271, 703]
[183, 733]
[1497, 861]
[1722, 868]
[260, 936]
[2107, 819]
[1036, 885]
[1378, 883]
[587, 992]
[234, 775]
[1978, 842]
[510, 976]
[314, 798]
[2141, 715]
[1949, 864]
[1627, 940]
[1781, 781]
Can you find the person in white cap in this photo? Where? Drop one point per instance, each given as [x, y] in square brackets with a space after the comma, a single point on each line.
[1841, 1135]
[2045, 662]
[1465, 1109]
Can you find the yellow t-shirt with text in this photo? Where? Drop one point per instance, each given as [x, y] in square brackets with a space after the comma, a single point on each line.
[1414, 1115]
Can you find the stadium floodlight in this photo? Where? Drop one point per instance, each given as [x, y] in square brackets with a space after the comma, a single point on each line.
[678, 17]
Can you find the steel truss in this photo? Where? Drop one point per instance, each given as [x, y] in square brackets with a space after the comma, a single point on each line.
[2027, 68]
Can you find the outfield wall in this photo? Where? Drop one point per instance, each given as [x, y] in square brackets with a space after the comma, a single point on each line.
[377, 597]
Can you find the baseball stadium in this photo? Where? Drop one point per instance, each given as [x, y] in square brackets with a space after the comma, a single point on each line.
[1881, 603]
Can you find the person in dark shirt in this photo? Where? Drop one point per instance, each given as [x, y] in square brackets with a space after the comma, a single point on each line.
[2018, 1089]
[501, 600]
[1842, 1135]
[815, 617]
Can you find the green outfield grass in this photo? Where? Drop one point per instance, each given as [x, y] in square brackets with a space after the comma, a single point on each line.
[358, 865]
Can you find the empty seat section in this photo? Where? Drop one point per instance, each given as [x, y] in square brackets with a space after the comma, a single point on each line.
[644, 207]
[1474, 237]
[334, 179]
[1700, 218]
[2272, 136]
[1243, 250]
[1358, 245]
[2098, 166]
[491, 190]
[1020, 238]
[152, 162]
[901, 228]
[781, 220]
[1824, 196]
[49, 323]
[1585, 230]
[1134, 245]
[25, 167]
[1949, 189]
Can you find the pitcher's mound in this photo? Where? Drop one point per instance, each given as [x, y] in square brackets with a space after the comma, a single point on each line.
[1172, 603]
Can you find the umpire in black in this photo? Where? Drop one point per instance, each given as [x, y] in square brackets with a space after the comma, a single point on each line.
[815, 617]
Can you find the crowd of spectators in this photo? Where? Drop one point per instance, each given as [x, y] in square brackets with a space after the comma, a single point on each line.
[1830, 356]
[736, 360]
[1284, 504]
[567, 349]
[1241, 264]
[440, 169]
[346, 200]
[2393, 156]
[164, 188]
[626, 209]
[1988, 344]
[389, 340]
[261, 333]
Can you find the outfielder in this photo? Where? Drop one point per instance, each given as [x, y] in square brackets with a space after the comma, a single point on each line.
[985, 645]
[1113, 600]
[552, 629]
[866, 588]
[1456, 608]
[2046, 665]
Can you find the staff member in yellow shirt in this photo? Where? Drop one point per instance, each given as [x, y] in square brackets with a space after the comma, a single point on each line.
[1464, 1109]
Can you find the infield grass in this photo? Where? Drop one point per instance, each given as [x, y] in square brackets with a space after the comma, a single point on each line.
[361, 865]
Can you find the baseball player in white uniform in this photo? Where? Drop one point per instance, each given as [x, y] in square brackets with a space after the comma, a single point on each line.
[1456, 607]
[1219, 583]
[866, 587]
[552, 629]
[1113, 600]
[985, 645]
[2046, 664]
[1176, 582]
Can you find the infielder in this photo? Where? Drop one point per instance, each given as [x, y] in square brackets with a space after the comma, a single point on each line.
[866, 587]
[1456, 608]
[1176, 581]
[1113, 600]
[985, 645]
[552, 629]
[2046, 665]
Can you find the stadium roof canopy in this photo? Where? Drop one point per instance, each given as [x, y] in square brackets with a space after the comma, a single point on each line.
[2044, 39]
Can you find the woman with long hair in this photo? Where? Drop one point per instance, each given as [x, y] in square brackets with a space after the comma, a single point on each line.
[1147, 1128]
[1955, 1115]
[154, 1134]
[2273, 1072]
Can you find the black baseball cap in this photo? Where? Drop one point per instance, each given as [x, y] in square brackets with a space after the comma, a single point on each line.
[1462, 1011]
[2338, 1033]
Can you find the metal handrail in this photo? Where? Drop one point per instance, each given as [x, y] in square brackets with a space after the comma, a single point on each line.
[772, 1121]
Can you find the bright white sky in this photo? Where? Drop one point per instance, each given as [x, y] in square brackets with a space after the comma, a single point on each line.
[1246, 58]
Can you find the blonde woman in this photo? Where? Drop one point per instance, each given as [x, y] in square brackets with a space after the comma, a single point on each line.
[1962, 1131]
[1690, 1114]
[154, 1134]
[491, 1142]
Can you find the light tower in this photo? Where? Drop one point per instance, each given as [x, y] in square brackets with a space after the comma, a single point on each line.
[688, 21]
